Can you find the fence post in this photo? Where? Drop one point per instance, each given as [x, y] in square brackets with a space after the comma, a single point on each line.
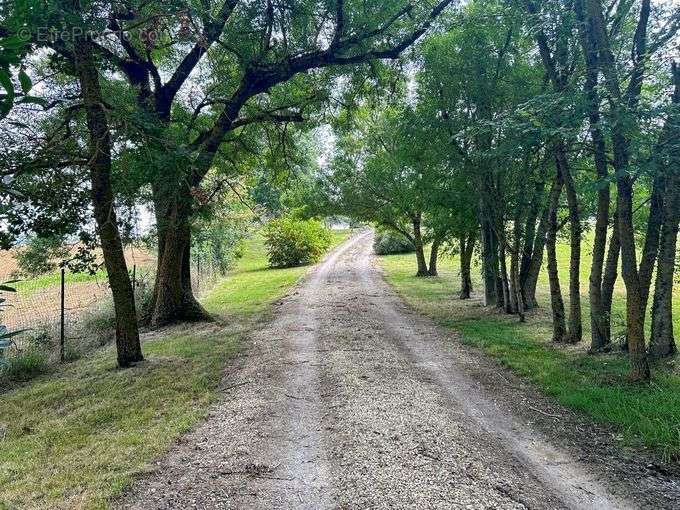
[134, 277]
[62, 332]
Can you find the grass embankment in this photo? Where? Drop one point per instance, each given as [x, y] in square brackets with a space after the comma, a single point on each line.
[74, 438]
[596, 385]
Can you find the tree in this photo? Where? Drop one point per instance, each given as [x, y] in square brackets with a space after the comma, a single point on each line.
[558, 66]
[127, 334]
[621, 103]
[244, 64]
[599, 311]
[241, 77]
[474, 75]
[381, 174]
[662, 338]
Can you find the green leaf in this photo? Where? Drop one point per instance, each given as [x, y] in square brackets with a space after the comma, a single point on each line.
[25, 81]
[33, 100]
[7, 101]
[13, 43]
[6, 83]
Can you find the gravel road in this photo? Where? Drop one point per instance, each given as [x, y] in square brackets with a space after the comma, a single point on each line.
[349, 400]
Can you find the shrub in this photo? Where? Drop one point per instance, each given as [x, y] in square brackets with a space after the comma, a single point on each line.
[291, 242]
[387, 242]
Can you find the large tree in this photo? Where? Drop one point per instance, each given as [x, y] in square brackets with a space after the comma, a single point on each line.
[198, 73]
[128, 347]
[233, 52]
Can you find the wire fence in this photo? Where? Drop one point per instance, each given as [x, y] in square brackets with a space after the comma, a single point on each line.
[62, 312]
[205, 273]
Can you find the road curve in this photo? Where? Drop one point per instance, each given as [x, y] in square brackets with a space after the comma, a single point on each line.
[349, 400]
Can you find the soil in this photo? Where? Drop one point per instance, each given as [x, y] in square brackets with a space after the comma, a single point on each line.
[348, 399]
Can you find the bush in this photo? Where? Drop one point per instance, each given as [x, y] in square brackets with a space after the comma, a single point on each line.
[291, 242]
[387, 242]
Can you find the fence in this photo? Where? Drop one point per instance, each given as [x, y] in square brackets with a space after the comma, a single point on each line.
[61, 311]
[205, 273]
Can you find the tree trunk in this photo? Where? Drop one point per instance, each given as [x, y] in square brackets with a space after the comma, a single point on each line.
[657, 211]
[515, 285]
[530, 232]
[467, 247]
[556, 65]
[663, 341]
[507, 302]
[434, 254]
[635, 303]
[652, 237]
[599, 321]
[420, 248]
[635, 312]
[575, 325]
[534, 269]
[128, 347]
[611, 274]
[556, 301]
[500, 291]
[490, 264]
[173, 300]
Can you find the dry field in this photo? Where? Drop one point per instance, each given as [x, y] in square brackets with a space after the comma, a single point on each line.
[36, 304]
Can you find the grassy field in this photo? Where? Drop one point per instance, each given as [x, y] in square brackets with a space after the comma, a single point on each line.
[28, 287]
[596, 385]
[138, 256]
[73, 439]
[252, 292]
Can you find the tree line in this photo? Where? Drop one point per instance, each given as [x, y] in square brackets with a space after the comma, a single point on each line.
[517, 124]
[496, 127]
[162, 103]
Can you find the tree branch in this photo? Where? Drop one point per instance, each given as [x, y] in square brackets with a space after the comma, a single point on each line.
[211, 33]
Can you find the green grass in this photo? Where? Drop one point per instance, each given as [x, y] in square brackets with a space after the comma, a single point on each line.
[74, 438]
[28, 287]
[251, 293]
[595, 385]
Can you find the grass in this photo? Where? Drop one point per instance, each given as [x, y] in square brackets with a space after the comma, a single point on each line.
[28, 287]
[74, 438]
[251, 294]
[642, 415]
[24, 366]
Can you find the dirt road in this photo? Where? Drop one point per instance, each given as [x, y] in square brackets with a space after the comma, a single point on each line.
[348, 400]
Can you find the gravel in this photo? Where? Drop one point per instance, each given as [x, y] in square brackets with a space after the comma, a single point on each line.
[349, 400]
